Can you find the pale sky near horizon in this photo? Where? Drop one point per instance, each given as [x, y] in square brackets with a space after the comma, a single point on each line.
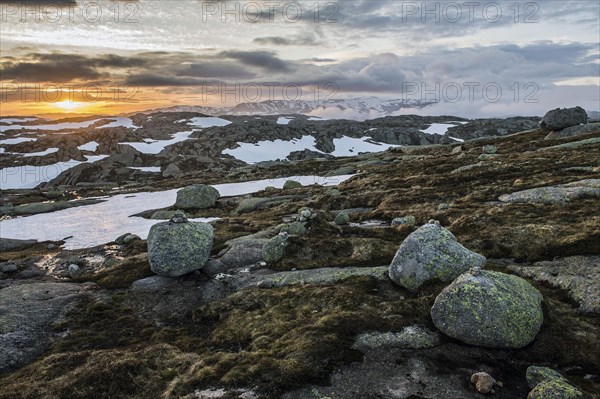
[540, 54]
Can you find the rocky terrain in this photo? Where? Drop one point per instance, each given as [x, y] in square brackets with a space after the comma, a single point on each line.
[438, 268]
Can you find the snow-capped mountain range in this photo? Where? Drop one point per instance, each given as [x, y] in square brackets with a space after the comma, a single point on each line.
[351, 108]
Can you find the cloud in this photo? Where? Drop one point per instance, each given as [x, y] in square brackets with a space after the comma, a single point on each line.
[305, 39]
[262, 59]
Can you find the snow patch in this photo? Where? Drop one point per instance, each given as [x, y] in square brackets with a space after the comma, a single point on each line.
[101, 223]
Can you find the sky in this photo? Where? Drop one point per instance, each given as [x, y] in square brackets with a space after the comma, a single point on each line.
[474, 59]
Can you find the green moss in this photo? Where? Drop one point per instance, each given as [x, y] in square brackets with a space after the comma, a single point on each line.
[122, 274]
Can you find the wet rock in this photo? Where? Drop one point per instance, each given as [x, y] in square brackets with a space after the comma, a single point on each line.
[8, 268]
[342, 218]
[558, 118]
[555, 194]
[550, 384]
[27, 312]
[406, 220]
[413, 337]
[490, 309]
[9, 244]
[484, 383]
[579, 276]
[291, 184]
[431, 253]
[175, 249]
[200, 196]
[274, 249]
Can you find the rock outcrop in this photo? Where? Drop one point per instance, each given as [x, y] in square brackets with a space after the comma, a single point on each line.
[561, 118]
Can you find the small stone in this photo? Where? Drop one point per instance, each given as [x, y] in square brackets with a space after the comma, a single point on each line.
[306, 213]
[537, 374]
[457, 150]
[407, 220]
[200, 196]
[291, 184]
[9, 268]
[131, 238]
[484, 383]
[74, 271]
[51, 246]
[333, 192]
[342, 218]
[179, 217]
[274, 249]
[489, 149]
[443, 206]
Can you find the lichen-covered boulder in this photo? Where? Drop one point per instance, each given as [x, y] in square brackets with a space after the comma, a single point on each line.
[549, 384]
[431, 253]
[175, 249]
[342, 218]
[537, 374]
[274, 249]
[491, 309]
[200, 196]
[561, 118]
[290, 184]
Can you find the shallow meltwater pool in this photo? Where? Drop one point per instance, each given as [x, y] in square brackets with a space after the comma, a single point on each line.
[92, 225]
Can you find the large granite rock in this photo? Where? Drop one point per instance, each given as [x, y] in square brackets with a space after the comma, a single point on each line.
[490, 309]
[175, 249]
[200, 196]
[431, 253]
[561, 118]
[27, 312]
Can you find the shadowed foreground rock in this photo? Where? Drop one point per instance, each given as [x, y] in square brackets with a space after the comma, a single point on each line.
[490, 309]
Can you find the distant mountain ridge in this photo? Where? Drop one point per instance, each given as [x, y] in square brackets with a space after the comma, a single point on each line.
[361, 107]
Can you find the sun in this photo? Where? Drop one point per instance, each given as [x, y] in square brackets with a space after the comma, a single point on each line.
[69, 105]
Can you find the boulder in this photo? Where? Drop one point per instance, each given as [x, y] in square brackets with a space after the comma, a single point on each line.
[574, 131]
[491, 309]
[175, 249]
[200, 196]
[291, 184]
[549, 384]
[342, 218]
[274, 249]
[431, 253]
[558, 118]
